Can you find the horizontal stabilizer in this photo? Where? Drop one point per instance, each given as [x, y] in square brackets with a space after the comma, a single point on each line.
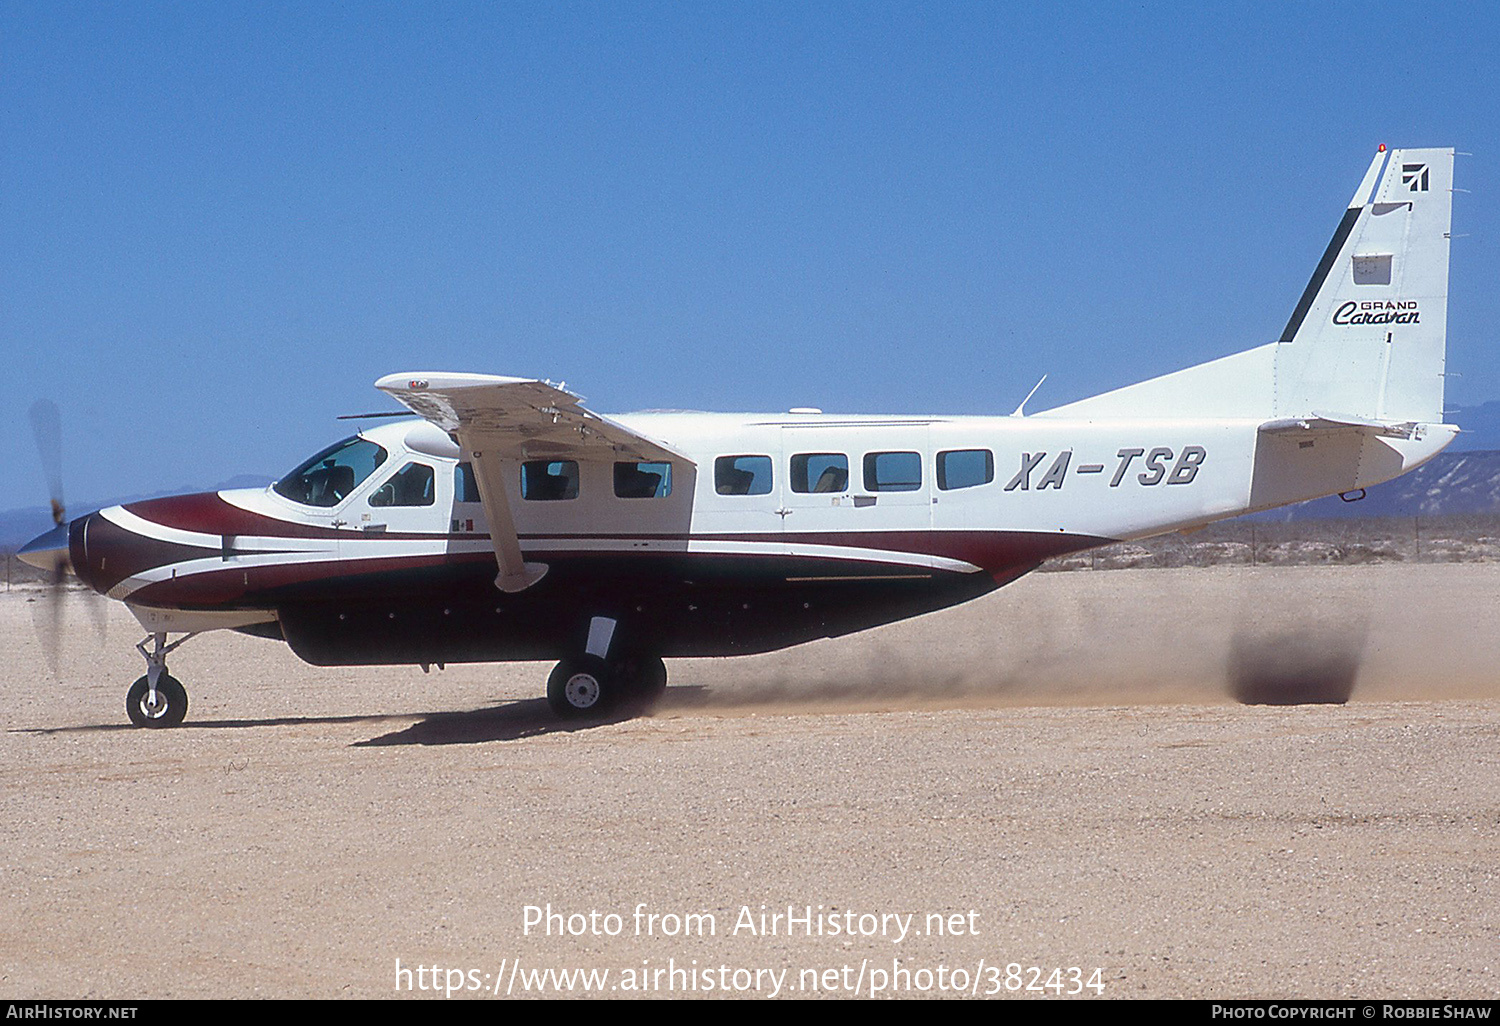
[1320, 421]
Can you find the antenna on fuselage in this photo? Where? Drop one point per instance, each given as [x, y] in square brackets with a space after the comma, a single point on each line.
[1021, 410]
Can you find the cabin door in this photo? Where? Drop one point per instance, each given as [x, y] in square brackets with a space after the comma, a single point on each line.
[854, 478]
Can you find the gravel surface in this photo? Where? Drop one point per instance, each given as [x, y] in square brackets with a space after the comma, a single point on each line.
[1058, 776]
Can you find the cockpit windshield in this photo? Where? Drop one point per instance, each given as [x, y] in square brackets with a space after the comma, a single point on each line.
[329, 477]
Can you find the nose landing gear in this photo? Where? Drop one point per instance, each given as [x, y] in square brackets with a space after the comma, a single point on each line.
[158, 699]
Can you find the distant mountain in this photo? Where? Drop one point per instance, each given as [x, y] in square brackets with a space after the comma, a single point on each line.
[19, 526]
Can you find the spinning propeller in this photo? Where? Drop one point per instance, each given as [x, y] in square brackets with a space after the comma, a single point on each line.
[50, 551]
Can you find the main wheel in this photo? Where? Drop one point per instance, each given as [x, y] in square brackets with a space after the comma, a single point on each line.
[580, 686]
[643, 677]
[168, 710]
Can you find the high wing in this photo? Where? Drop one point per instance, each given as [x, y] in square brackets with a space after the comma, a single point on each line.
[499, 420]
[526, 418]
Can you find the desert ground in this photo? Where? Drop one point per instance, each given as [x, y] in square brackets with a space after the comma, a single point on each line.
[1059, 775]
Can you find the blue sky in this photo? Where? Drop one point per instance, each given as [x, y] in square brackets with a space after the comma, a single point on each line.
[219, 223]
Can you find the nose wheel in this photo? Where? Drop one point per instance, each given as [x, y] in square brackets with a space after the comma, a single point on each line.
[162, 706]
[158, 699]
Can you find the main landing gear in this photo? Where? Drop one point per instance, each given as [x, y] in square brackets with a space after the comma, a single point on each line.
[158, 699]
[587, 685]
[597, 682]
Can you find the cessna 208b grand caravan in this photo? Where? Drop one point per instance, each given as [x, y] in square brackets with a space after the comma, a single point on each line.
[622, 540]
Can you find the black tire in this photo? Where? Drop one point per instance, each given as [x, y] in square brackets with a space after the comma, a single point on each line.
[643, 678]
[581, 686]
[171, 697]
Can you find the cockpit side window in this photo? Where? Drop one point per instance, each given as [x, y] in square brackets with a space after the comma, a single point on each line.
[412, 485]
[327, 479]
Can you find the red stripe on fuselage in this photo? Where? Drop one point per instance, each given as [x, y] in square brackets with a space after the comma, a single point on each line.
[209, 513]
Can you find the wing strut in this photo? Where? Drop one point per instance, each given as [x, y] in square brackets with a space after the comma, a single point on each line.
[515, 573]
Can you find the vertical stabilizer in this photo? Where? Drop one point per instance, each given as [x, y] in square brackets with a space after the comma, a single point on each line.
[1367, 338]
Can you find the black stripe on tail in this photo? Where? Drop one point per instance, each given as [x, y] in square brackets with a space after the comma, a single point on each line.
[1325, 265]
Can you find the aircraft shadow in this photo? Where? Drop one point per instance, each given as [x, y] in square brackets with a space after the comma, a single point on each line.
[513, 721]
[276, 721]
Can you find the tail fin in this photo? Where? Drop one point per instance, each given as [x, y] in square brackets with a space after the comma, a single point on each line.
[1366, 341]
[1368, 337]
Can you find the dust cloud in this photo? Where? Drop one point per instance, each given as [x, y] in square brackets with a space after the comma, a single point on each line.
[1260, 636]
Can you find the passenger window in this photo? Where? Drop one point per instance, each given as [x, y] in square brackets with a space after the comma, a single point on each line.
[465, 484]
[742, 475]
[965, 468]
[549, 480]
[409, 486]
[643, 480]
[820, 472]
[893, 472]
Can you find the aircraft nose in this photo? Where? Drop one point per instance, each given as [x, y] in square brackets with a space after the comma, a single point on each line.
[48, 551]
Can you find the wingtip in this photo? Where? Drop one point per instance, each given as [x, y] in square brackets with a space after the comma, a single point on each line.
[422, 381]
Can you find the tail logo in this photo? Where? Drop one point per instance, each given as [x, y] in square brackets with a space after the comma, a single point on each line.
[1414, 176]
[1400, 311]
